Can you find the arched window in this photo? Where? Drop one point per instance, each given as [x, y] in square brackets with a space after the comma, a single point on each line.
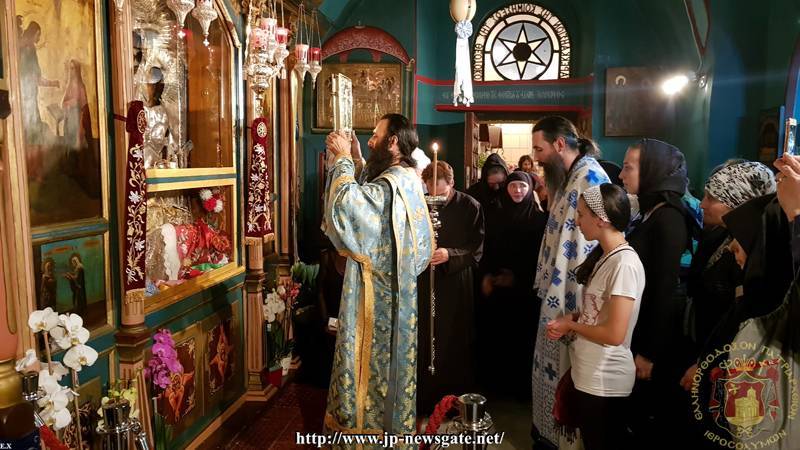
[521, 42]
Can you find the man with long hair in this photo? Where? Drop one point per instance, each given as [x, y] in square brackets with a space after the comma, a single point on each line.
[382, 226]
[570, 169]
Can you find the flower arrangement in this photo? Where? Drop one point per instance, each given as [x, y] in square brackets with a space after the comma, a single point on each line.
[212, 200]
[68, 333]
[164, 363]
[162, 370]
[277, 312]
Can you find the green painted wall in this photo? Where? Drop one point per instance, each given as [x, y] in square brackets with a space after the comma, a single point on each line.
[749, 50]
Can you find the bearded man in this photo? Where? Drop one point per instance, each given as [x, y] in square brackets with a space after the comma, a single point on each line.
[569, 168]
[382, 226]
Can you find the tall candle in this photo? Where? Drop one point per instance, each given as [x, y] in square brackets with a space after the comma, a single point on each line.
[435, 147]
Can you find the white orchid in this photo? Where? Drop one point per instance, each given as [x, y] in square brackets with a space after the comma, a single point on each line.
[57, 399]
[71, 332]
[49, 383]
[43, 320]
[281, 290]
[57, 419]
[273, 306]
[28, 362]
[79, 356]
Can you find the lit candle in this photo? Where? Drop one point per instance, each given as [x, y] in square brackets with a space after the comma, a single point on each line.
[435, 148]
[282, 35]
[301, 51]
[315, 54]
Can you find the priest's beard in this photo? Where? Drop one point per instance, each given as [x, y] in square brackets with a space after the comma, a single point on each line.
[380, 158]
[555, 173]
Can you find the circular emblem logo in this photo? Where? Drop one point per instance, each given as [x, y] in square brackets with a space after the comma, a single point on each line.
[141, 122]
[262, 130]
[738, 394]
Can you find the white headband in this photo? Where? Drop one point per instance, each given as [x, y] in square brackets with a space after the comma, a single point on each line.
[594, 199]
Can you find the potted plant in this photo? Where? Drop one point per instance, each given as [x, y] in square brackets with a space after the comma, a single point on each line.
[277, 313]
[161, 369]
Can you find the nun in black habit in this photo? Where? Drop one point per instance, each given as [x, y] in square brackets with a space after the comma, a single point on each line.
[489, 189]
[508, 307]
[461, 238]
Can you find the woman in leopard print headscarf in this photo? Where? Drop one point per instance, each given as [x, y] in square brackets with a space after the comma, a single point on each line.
[714, 275]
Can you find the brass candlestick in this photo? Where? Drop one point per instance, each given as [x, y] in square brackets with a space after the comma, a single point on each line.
[434, 203]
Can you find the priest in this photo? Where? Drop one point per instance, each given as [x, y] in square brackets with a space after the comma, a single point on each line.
[384, 229]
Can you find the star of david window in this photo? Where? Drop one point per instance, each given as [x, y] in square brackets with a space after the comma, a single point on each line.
[521, 42]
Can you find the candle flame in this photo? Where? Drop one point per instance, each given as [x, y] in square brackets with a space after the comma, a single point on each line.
[435, 147]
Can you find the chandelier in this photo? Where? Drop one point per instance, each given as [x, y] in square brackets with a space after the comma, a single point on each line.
[266, 45]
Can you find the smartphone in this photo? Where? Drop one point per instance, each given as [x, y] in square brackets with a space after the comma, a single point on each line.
[790, 136]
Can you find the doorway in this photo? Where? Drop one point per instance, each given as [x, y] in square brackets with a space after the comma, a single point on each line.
[507, 134]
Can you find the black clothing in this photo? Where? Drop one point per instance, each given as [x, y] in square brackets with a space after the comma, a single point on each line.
[462, 235]
[480, 191]
[601, 421]
[796, 243]
[660, 238]
[659, 242]
[762, 225]
[508, 316]
[612, 170]
[711, 285]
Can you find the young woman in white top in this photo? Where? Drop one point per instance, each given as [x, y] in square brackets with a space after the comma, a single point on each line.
[603, 370]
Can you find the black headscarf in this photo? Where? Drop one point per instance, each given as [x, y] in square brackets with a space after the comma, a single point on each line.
[744, 223]
[612, 170]
[526, 209]
[663, 178]
[762, 230]
[480, 191]
[514, 234]
[662, 174]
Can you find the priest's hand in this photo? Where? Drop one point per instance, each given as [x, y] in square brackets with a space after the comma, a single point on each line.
[688, 377]
[355, 147]
[440, 256]
[338, 144]
[560, 326]
[644, 367]
[789, 185]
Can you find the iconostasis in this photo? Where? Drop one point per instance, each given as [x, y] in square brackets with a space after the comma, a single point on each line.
[125, 197]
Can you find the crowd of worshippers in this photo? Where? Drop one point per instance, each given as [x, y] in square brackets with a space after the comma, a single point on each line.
[618, 274]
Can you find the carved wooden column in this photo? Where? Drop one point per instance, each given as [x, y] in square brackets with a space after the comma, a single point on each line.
[133, 336]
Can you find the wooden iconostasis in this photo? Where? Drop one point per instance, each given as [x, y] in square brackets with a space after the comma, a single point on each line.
[71, 68]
